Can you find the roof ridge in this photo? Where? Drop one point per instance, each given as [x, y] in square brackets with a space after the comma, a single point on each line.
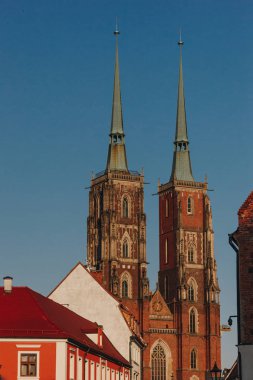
[64, 278]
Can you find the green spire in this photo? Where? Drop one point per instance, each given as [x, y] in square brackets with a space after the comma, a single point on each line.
[116, 159]
[181, 167]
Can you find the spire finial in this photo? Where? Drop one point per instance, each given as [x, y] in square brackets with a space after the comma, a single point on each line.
[180, 42]
[116, 32]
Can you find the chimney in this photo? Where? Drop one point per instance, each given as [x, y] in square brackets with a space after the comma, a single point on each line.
[8, 284]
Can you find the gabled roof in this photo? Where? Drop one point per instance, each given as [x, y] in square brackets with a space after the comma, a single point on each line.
[246, 209]
[27, 314]
[96, 275]
[158, 307]
[126, 314]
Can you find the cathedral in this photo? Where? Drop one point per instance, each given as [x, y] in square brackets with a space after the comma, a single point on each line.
[179, 322]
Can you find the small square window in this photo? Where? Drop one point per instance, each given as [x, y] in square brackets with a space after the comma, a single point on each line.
[28, 365]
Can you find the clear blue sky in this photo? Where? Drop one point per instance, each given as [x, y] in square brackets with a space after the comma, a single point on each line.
[56, 79]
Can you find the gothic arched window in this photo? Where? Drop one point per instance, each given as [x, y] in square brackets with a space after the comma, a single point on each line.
[158, 363]
[124, 288]
[189, 205]
[126, 285]
[192, 321]
[191, 292]
[125, 249]
[125, 207]
[193, 359]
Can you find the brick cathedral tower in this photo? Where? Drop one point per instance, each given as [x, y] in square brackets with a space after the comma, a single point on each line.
[116, 231]
[187, 275]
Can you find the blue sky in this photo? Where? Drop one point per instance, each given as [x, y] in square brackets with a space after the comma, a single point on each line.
[56, 80]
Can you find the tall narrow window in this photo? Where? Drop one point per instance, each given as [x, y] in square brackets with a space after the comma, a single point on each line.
[193, 359]
[165, 287]
[167, 208]
[72, 367]
[192, 321]
[125, 207]
[124, 288]
[191, 254]
[158, 363]
[125, 249]
[191, 293]
[189, 205]
[166, 251]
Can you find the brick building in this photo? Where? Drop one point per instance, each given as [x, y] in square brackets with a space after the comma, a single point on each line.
[41, 339]
[180, 321]
[242, 241]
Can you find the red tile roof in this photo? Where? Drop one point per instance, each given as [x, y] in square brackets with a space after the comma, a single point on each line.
[27, 314]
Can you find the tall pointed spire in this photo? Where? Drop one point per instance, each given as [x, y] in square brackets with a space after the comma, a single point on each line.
[116, 159]
[181, 167]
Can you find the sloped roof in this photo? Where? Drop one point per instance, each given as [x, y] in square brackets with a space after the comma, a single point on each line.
[27, 314]
[96, 275]
[247, 204]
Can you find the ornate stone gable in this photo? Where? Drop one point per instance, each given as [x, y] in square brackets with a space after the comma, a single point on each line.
[158, 308]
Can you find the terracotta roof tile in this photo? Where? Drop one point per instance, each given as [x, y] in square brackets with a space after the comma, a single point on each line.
[26, 313]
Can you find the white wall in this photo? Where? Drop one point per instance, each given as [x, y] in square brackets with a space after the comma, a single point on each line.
[86, 297]
[61, 361]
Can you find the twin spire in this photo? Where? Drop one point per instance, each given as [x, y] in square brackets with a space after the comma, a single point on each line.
[117, 160]
[181, 167]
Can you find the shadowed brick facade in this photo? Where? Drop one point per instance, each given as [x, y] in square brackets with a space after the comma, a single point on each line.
[242, 242]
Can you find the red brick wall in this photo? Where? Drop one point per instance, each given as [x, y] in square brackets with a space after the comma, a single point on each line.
[244, 236]
[207, 339]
